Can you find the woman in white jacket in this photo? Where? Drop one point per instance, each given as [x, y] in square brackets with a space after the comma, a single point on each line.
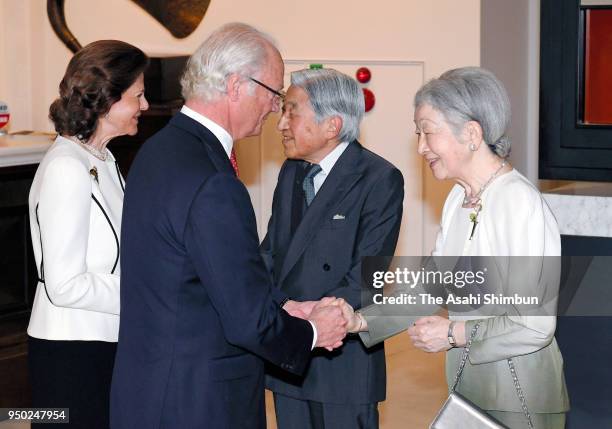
[75, 206]
[461, 120]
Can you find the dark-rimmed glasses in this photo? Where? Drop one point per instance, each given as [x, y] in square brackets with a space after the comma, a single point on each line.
[279, 94]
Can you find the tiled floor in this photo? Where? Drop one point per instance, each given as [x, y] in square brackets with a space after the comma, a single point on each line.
[415, 388]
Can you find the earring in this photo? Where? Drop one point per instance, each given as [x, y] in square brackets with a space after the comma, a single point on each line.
[472, 147]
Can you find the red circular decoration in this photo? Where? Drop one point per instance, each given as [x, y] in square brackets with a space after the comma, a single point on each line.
[363, 74]
[370, 100]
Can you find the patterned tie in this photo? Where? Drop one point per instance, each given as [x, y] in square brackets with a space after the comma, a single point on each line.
[234, 162]
[308, 184]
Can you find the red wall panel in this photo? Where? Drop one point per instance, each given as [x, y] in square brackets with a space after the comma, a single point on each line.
[598, 67]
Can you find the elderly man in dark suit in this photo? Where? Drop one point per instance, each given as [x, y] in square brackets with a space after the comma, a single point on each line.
[335, 202]
[198, 310]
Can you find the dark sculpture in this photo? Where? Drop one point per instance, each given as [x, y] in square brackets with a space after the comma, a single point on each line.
[55, 11]
[179, 17]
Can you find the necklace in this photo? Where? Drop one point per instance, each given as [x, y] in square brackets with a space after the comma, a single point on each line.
[475, 201]
[472, 202]
[100, 154]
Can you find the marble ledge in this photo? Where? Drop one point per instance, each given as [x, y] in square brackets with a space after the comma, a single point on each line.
[581, 208]
[23, 149]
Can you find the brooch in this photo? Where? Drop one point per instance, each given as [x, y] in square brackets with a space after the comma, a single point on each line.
[474, 218]
[94, 174]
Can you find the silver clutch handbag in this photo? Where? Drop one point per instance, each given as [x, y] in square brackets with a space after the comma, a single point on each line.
[459, 412]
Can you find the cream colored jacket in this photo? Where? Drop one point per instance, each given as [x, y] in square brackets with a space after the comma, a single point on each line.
[515, 221]
[75, 221]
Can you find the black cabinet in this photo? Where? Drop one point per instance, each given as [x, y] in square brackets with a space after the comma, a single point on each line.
[17, 283]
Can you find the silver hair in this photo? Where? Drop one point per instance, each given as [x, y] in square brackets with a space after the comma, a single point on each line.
[332, 93]
[232, 48]
[471, 94]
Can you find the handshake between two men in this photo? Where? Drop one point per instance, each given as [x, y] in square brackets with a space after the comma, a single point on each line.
[332, 317]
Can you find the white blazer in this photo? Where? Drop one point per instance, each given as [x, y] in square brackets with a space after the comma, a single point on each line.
[75, 206]
[514, 221]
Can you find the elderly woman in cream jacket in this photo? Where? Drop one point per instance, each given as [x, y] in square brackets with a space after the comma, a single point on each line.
[461, 120]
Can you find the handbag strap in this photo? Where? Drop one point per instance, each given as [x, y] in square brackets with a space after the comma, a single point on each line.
[464, 356]
[517, 386]
[519, 392]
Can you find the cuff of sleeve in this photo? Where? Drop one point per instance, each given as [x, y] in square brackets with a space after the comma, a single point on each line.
[284, 301]
[314, 335]
[279, 296]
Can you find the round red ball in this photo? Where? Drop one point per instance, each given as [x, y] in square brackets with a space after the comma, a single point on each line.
[369, 99]
[363, 74]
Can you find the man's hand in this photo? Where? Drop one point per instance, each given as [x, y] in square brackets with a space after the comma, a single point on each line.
[302, 309]
[329, 321]
[298, 309]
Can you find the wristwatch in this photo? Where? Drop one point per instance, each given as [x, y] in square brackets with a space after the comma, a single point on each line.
[451, 337]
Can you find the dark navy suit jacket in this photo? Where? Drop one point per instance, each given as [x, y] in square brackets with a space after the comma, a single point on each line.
[198, 311]
[356, 213]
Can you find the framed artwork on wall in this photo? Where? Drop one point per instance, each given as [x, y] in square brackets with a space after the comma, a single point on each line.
[575, 90]
[596, 65]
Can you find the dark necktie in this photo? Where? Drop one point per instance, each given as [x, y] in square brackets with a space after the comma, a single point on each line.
[308, 184]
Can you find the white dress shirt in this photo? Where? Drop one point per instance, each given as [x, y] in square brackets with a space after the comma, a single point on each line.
[327, 164]
[75, 221]
[220, 133]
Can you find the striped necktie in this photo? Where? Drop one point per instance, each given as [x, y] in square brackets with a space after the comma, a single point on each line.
[308, 184]
[234, 162]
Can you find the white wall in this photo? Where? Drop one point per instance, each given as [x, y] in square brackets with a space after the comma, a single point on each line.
[440, 34]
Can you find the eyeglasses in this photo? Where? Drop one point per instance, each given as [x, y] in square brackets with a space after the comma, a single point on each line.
[279, 94]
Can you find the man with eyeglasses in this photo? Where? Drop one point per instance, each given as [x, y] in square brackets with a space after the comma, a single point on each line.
[198, 310]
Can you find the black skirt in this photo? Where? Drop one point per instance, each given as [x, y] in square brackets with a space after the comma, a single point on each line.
[75, 375]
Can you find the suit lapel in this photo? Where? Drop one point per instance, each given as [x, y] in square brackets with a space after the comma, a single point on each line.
[345, 173]
[213, 146]
[288, 187]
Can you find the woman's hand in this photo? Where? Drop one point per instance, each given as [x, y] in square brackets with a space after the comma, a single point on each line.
[430, 333]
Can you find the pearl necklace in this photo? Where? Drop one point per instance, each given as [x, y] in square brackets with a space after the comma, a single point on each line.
[471, 202]
[475, 202]
[102, 155]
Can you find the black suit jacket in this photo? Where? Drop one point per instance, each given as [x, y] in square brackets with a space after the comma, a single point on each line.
[356, 213]
[198, 311]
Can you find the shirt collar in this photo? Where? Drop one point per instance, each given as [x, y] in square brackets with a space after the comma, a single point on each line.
[220, 133]
[328, 162]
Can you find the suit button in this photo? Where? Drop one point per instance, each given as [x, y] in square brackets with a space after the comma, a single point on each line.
[326, 267]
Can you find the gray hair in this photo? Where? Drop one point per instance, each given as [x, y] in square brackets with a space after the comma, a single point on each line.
[471, 94]
[332, 93]
[232, 48]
